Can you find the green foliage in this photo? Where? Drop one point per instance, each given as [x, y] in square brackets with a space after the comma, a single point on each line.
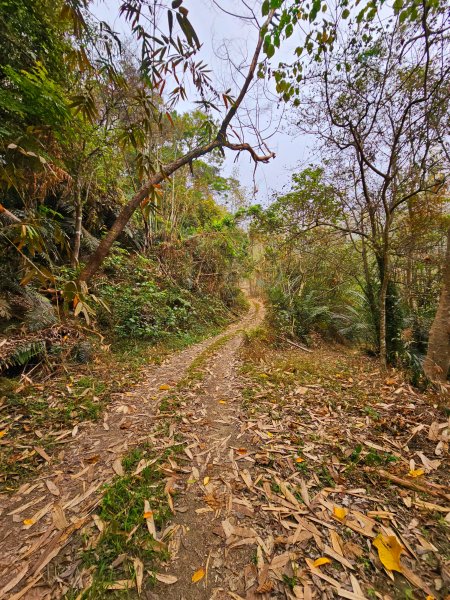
[141, 307]
[125, 531]
[23, 354]
[299, 315]
[34, 98]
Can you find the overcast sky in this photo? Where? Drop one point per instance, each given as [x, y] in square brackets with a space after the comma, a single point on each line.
[220, 33]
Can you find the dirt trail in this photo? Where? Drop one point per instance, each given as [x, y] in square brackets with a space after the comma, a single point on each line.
[220, 439]
[40, 518]
[278, 486]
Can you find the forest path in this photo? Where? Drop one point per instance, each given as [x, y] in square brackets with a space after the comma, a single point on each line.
[38, 521]
[263, 473]
[305, 473]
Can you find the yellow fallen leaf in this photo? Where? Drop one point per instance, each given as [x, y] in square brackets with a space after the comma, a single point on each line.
[321, 561]
[28, 521]
[198, 575]
[222, 401]
[340, 512]
[416, 472]
[269, 434]
[430, 598]
[263, 375]
[299, 459]
[206, 481]
[2, 433]
[164, 386]
[389, 551]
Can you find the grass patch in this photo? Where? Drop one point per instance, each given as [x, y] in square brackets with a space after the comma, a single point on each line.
[196, 370]
[108, 556]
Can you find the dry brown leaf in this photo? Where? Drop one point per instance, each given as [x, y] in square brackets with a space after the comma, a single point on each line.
[52, 488]
[139, 571]
[27, 523]
[247, 478]
[59, 518]
[118, 468]
[337, 557]
[148, 516]
[14, 581]
[42, 453]
[122, 584]
[265, 587]
[98, 522]
[167, 579]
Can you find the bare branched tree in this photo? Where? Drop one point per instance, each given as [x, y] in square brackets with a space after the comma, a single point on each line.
[381, 109]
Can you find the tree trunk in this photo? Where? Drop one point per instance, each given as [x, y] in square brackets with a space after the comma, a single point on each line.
[78, 228]
[382, 310]
[384, 268]
[370, 293]
[437, 361]
[127, 211]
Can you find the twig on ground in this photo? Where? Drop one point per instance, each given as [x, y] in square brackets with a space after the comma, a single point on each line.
[296, 345]
[412, 485]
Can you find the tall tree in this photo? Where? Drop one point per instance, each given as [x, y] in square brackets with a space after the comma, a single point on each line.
[379, 98]
[437, 361]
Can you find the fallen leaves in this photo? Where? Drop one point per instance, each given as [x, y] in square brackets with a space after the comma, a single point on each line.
[416, 473]
[323, 560]
[117, 467]
[198, 575]
[340, 512]
[139, 573]
[167, 579]
[389, 551]
[294, 497]
[148, 516]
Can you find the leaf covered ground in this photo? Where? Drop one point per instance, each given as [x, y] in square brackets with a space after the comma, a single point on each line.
[261, 473]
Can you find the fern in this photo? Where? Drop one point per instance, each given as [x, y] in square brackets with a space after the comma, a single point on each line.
[21, 355]
[41, 314]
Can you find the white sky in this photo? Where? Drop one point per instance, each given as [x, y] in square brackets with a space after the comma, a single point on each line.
[217, 31]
